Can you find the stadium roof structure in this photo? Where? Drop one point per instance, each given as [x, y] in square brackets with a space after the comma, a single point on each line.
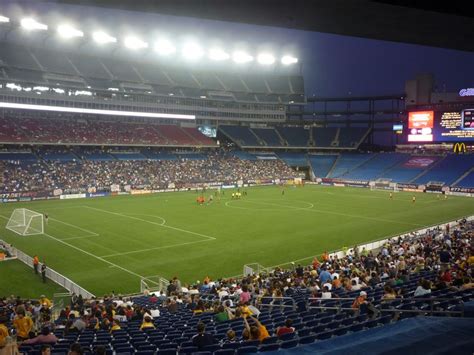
[443, 24]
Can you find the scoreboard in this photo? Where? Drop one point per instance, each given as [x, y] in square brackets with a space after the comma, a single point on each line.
[441, 126]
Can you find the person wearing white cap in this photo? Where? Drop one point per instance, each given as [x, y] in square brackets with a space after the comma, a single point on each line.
[359, 301]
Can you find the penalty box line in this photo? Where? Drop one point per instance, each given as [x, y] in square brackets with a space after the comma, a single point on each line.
[208, 238]
[156, 224]
[90, 233]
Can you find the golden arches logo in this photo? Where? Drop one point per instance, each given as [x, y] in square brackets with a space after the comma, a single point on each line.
[459, 148]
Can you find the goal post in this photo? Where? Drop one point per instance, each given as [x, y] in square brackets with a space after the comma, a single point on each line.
[153, 284]
[383, 184]
[25, 222]
[253, 269]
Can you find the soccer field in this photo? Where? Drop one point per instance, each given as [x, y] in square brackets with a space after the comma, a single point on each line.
[107, 244]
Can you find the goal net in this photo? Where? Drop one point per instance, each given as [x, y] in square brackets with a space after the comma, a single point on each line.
[253, 269]
[154, 284]
[25, 222]
[383, 184]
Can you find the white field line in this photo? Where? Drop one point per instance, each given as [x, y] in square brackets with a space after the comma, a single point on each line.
[335, 213]
[92, 234]
[90, 254]
[156, 224]
[81, 237]
[157, 248]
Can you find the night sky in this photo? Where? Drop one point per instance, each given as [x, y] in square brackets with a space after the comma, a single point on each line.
[333, 65]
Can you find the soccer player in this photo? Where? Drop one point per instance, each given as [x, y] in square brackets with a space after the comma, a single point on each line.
[413, 199]
[46, 218]
[391, 195]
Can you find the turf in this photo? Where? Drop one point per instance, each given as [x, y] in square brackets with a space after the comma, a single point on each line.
[20, 280]
[107, 244]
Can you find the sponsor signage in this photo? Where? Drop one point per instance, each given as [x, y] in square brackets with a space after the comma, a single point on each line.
[466, 92]
[459, 148]
[140, 192]
[72, 196]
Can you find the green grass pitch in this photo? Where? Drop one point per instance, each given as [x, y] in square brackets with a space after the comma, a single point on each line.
[107, 244]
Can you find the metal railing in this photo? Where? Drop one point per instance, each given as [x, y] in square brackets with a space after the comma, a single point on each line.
[277, 302]
[389, 306]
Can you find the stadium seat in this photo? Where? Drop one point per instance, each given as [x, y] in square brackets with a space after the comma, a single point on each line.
[289, 344]
[247, 350]
[307, 339]
[269, 347]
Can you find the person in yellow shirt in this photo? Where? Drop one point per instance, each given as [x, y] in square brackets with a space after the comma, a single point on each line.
[23, 325]
[3, 332]
[147, 323]
[257, 331]
[115, 326]
[245, 310]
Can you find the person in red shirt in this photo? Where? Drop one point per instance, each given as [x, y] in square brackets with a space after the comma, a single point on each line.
[287, 328]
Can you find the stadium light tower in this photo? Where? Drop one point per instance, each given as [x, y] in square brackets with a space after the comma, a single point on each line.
[102, 37]
[4, 19]
[134, 43]
[67, 31]
[164, 47]
[31, 24]
[192, 51]
[241, 57]
[288, 59]
[218, 54]
[266, 59]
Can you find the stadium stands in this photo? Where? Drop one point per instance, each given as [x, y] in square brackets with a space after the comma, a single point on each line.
[348, 162]
[151, 169]
[295, 136]
[270, 136]
[448, 170]
[242, 135]
[321, 164]
[324, 137]
[410, 168]
[351, 137]
[467, 181]
[81, 131]
[294, 159]
[375, 167]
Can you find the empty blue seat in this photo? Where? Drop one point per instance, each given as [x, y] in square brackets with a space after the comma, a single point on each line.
[307, 339]
[289, 344]
[224, 352]
[188, 350]
[270, 340]
[324, 335]
[231, 346]
[247, 350]
[166, 352]
[287, 336]
[269, 347]
[212, 348]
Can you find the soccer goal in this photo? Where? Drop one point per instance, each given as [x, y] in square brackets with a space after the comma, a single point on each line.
[153, 284]
[383, 184]
[254, 269]
[25, 222]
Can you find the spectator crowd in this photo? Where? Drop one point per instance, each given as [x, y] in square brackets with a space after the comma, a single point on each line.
[78, 176]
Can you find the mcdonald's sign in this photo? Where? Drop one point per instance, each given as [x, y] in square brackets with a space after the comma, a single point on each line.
[459, 148]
